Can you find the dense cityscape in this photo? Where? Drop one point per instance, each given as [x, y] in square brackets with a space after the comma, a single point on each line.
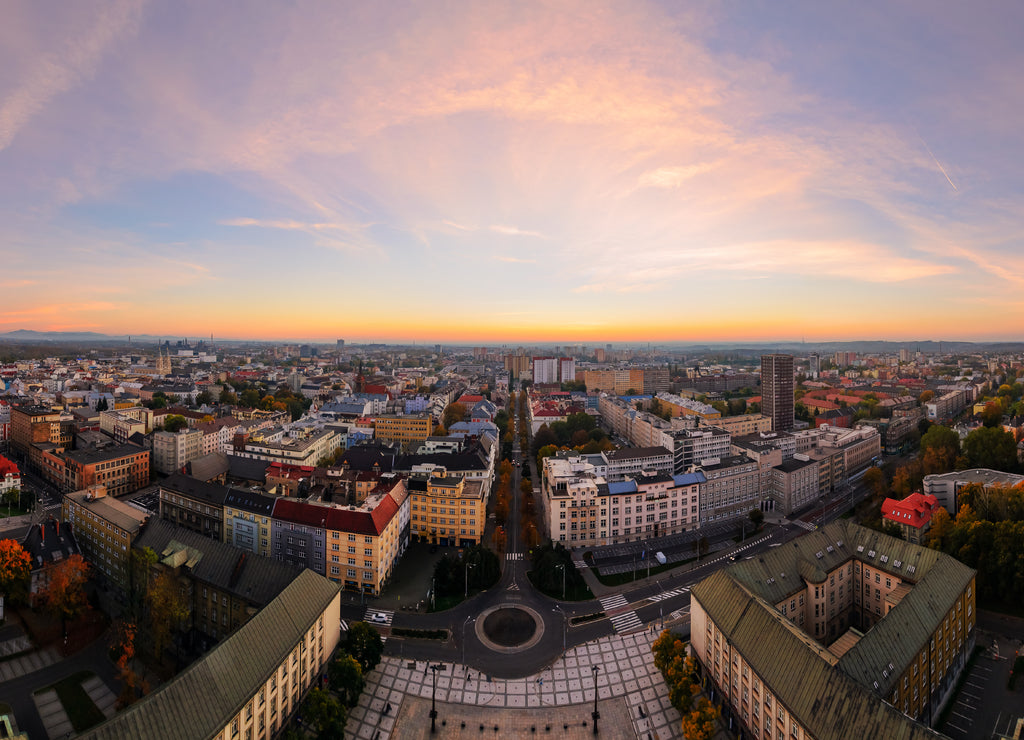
[544, 527]
[629, 369]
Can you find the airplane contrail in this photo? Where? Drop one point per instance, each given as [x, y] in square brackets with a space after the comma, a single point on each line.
[937, 163]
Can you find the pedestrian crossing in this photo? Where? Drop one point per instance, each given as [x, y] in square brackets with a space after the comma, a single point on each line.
[613, 602]
[806, 525]
[626, 622]
[580, 564]
[513, 586]
[379, 617]
[669, 594]
[514, 556]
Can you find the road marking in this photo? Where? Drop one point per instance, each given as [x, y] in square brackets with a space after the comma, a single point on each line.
[626, 621]
[514, 556]
[613, 602]
[668, 594]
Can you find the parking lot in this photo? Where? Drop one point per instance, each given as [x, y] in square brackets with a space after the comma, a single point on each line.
[984, 704]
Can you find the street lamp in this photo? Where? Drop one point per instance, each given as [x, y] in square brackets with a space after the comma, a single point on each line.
[561, 566]
[468, 566]
[595, 714]
[464, 625]
[565, 625]
[433, 694]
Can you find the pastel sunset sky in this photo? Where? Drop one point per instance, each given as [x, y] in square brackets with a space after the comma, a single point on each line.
[505, 171]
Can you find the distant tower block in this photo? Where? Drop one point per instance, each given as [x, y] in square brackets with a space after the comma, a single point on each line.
[777, 391]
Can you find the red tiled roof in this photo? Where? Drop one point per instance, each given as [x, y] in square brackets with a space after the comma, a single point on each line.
[915, 510]
[6, 466]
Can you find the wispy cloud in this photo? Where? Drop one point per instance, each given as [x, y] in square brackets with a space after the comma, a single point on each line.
[513, 231]
[516, 260]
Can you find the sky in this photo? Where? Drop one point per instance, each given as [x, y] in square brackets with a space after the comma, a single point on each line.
[505, 171]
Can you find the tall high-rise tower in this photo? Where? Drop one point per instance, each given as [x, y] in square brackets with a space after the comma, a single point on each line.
[777, 391]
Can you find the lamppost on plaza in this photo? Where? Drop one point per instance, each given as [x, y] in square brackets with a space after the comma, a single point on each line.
[595, 714]
[565, 624]
[464, 625]
[468, 566]
[561, 566]
[433, 694]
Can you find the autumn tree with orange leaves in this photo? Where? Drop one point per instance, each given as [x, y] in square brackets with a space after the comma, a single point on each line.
[64, 593]
[133, 685]
[15, 566]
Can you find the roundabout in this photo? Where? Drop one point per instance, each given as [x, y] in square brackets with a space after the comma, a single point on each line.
[509, 628]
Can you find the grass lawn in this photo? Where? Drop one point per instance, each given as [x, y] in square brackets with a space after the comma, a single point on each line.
[81, 711]
[618, 579]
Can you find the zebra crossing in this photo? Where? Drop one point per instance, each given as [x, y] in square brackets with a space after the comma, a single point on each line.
[514, 556]
[379, 617]
[613, 602]
[668, 594]
[580, 563]
[624, 621]
[806, 525]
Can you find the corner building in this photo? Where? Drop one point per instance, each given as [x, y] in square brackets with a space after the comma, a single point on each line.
[842, 633]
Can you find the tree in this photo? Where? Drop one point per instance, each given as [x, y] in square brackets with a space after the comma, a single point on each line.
[15, 567]
[227, 396]
[874, 480]
[945, 442]
[346, 677]
[167, 608]
[991, 447]
[364, 644]
[64, 594]
[249, 399]
[453, 413]
[757, 517]
[992, 414]
[175, 423]
[678, 669]
[204, 398]
[324, 714]
[925, 397]
[702, 722]
[102, 405]
[940, 530]
[122, 649]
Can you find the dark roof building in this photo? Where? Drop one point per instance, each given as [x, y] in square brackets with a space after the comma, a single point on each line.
[844, 632]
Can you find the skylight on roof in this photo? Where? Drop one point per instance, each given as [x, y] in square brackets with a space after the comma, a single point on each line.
[898, 563]
[819, 554]
[871, 553]
[830, 548]
[884, 558]
[860, 548]
[839, 543]
[911, 568]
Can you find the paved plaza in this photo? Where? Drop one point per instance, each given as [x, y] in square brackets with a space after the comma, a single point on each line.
[632, 697]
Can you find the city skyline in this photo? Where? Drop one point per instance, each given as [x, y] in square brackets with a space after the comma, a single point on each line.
[579, 172]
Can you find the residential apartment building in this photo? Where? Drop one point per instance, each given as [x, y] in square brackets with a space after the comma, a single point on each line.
[105, 529]
[950, 404]
[193, 504]
[624, 380]
[732, 489]
[913, 515]
[173, 450]
[10, 476]
[680, 406]
[404, 430]
[846, 633]
[446, 510]
[690, 447]
[737, 426]
[124, 423]
[794, 483]
[223, 586]
[274, 659]
[584, 510]
[545, 370]
[777, 399]
[298, 534]
[364, 544]
[630, 462]
[247, 520]
[274, 446]
[121, 469]
[32, 424]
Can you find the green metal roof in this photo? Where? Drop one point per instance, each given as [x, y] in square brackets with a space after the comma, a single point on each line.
[201, 701]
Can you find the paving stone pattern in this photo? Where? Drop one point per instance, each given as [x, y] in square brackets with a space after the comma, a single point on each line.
[630, 690]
